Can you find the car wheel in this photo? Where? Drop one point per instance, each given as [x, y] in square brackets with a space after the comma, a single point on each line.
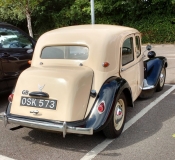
[161, 82]
[116, 123]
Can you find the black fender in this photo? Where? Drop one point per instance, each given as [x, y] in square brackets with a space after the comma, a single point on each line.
[108, 93]
[153, 69]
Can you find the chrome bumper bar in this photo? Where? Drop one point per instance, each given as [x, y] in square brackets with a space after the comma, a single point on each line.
[1, 117]
[64, 128]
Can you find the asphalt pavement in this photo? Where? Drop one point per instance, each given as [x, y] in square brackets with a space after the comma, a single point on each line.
[149, 132]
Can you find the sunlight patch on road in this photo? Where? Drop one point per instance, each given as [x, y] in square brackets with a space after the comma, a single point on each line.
[5, 158]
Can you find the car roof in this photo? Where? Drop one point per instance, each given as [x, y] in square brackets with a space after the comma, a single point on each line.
[83, 34]
[102, 41]
[6, 24]
[92, 28]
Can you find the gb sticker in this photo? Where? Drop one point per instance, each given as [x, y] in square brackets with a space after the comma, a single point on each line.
[25, 92]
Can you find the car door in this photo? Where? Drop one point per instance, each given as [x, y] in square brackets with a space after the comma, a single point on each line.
[128, 69]
[16, 49]
[139, 62]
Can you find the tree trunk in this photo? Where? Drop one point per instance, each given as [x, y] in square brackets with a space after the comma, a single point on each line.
[29, 23]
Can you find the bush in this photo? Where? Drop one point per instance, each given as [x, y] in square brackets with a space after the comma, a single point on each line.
[156, 29]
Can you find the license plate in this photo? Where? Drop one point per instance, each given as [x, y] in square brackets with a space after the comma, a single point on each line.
[38, 102]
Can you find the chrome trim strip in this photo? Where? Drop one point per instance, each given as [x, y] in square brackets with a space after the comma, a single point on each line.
[48, 126]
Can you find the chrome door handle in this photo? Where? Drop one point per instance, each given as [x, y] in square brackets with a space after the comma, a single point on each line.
[123, 69]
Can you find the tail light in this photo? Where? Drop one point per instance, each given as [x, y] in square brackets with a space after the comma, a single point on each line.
[29, 62]
[105, 64]
[10, 98]
[101, 107]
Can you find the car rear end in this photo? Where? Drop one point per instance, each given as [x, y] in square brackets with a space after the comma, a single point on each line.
[52, 95]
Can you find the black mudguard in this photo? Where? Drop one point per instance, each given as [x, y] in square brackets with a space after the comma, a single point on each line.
[109, 92]
[153, 69]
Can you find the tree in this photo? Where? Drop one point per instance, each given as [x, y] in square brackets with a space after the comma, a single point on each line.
[18, 10]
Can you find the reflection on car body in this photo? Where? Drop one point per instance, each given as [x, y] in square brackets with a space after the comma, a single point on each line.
[78, 84]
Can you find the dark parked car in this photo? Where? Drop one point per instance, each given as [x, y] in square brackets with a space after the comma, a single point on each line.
[16, 49]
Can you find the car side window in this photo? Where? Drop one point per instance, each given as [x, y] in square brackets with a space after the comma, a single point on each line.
[127, 51]
[138, 47]
[11, 38]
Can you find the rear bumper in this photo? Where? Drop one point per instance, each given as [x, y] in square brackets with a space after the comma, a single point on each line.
[1, 116]
[64, 128]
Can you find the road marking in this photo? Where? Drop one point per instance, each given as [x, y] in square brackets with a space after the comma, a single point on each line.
[5, 158]
[100, 147]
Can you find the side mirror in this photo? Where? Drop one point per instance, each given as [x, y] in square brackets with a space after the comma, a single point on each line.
[148, 47]
[151, 54]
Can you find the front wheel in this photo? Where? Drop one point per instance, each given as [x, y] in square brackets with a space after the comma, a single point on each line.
[116, 123]
[161, 81]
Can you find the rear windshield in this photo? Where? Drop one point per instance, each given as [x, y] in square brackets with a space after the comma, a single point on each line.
[65, 52]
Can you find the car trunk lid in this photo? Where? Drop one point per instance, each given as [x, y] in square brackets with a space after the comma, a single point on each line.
[66, 93]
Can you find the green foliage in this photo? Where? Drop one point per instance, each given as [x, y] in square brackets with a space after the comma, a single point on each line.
[16, 9]
[155, 19]
[155, 30]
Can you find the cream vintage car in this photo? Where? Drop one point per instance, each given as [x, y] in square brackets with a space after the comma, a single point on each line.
[83, 78]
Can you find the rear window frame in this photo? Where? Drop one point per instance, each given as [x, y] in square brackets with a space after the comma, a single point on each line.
[86, 57]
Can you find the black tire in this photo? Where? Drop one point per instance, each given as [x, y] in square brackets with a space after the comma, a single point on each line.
[161, 81]
[114, 128]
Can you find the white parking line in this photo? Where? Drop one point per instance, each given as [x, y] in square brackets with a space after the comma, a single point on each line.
[100, 147]
[5, 158]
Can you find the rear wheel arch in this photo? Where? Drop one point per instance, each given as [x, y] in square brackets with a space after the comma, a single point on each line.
[114, 87]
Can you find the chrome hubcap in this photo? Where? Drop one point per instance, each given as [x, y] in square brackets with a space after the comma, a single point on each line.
[119, 114]
[162, 77]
